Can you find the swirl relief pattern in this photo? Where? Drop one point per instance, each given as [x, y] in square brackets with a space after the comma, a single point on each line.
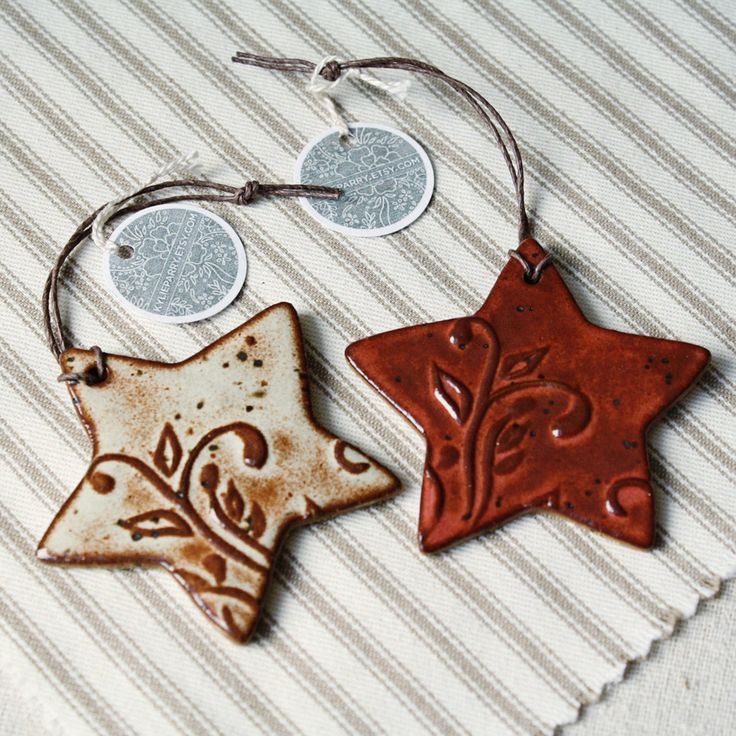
[526, 405]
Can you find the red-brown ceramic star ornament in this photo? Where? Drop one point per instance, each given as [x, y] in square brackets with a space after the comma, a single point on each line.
[526, 405]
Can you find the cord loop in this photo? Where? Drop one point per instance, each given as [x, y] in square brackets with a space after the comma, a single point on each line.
[92, 375]
[330, 70]
[532, 274]
[205, 191]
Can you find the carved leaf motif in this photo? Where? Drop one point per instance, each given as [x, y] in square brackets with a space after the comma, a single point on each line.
[167, 455]
[157, 523]
[257, 520]
[522, 364]
[434, 493]
[255, 447]
[453, 395]
[234, 504]
[509, 463]
[216, 565]
[511, 437]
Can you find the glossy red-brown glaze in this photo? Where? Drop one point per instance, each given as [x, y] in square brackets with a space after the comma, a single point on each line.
[527, 405]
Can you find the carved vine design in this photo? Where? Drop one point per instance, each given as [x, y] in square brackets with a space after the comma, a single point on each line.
[494, 424]
[238, 516]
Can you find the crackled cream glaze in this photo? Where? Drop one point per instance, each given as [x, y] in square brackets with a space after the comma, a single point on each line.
[202, 466]
[526, 405]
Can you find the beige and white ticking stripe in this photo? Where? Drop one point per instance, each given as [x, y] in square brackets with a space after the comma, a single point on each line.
[624, 115]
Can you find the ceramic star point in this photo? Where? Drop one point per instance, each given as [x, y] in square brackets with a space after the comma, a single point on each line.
[526, 405]
[203, 466]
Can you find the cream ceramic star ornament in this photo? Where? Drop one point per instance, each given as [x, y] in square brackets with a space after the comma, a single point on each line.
[203, 466]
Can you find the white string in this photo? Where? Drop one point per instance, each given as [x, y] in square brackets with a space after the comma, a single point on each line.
[321, 88]
[185, 166]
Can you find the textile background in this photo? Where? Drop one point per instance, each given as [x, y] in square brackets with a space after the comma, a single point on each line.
[624, 114]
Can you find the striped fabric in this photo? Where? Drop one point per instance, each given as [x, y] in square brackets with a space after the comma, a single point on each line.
[624, 113]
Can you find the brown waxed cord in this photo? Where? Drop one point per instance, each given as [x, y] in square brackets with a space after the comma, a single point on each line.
[332, 70]
[52, 323]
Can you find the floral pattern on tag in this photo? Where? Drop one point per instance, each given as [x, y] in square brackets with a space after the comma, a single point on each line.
[183, 263]
[386, 179]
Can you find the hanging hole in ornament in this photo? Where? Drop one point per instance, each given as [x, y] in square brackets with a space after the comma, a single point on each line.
[538, 270]
[124, 252]
[531, 275]
[92, 375]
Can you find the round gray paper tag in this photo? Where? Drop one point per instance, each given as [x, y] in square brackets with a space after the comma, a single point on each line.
[183, 263]
[386, 179]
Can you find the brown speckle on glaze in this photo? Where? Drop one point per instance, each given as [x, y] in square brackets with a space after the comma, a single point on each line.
[283, 443]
